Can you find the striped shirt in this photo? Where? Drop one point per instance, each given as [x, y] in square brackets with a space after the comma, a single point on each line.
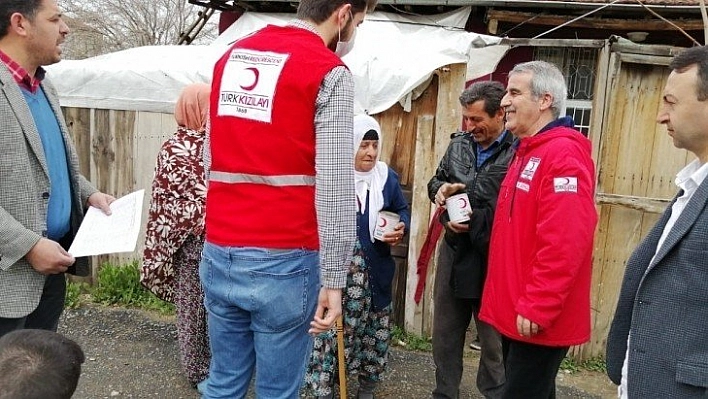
[22, 77]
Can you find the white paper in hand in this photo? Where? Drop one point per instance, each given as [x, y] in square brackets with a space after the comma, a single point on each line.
[100, 234]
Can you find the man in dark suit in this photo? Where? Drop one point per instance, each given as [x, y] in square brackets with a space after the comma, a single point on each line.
[658, 341]
[42, 194]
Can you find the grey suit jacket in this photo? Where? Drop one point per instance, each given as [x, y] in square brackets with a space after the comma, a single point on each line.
[24, 196]
[665, 304]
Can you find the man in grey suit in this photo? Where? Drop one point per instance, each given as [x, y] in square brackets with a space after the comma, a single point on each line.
[42, 194]
[658, 342]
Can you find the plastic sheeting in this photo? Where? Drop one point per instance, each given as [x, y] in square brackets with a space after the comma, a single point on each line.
[393, 55]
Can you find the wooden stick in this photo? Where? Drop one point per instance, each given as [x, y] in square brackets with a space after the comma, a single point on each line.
[704, 16]
[340, 358]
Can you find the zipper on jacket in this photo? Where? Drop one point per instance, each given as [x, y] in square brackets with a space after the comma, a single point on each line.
[513, 193]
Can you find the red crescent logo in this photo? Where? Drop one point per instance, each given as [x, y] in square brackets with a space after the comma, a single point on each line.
[256, 75]
[383, 222]
[567, 181]
[463, 202]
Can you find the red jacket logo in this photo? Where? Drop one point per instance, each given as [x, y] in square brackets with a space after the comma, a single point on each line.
[256, 76]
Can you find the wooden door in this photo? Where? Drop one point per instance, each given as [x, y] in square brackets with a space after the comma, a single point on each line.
[636, 165]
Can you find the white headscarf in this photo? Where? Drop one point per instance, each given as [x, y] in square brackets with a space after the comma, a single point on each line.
[374, 180]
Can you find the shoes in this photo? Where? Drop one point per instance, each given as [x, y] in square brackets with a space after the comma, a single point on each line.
[475, 345]
[364, 395]
[366, 389]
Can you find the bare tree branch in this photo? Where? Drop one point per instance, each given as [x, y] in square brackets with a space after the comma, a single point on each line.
[102, 26]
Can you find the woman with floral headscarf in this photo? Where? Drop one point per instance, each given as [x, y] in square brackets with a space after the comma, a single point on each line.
[367, 296]
[175, 229]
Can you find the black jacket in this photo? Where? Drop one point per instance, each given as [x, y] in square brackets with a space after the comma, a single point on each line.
[458, 165]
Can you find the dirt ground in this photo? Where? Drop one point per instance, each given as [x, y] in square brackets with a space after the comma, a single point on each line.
[133, 354]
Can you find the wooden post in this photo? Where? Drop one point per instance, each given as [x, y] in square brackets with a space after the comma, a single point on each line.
[419, 224]
[78, 123]
[432, 138]
[151, 130]
[112, 162]
[704, 16]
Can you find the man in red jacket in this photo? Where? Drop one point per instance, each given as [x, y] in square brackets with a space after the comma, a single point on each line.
[537, 293]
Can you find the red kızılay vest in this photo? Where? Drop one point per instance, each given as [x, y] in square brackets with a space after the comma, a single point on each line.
[261, 189]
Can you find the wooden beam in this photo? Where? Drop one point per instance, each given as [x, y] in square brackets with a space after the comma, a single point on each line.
[615, 24]
[651, 205]
[645, 59]
[581, 43]
[626, 46]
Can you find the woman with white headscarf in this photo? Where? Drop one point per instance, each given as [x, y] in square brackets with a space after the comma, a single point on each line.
[367, 296]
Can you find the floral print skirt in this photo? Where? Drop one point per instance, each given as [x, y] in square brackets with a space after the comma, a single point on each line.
[367, 335]
[191, 323]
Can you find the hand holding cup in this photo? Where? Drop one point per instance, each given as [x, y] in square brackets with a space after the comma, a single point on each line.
[387, 223]
[394, 237]
[458, 207]
[446, 190]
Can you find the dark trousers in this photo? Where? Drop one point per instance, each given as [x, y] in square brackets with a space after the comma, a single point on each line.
[491, 375]
[531, 369]
[46, 315]
[451, 317]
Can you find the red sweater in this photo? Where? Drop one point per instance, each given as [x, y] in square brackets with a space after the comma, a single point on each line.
[540, 262]
[262, 126]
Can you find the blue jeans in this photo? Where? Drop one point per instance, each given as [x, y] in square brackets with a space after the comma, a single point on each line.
[260, 303]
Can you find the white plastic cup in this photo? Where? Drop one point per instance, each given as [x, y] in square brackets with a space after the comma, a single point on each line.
[385, 223]
[458, 208]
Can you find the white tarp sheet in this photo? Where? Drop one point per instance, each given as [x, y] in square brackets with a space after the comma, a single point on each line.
[393, 55]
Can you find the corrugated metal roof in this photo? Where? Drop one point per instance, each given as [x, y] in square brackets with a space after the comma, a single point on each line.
[670, 3]
[689, 3]
[673, 6]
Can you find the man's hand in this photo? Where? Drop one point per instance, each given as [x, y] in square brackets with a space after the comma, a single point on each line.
[526, 327]
[329, 307]
[446, 190]
[101, 201]
[458, 227]
[394, 237]
[48, 257]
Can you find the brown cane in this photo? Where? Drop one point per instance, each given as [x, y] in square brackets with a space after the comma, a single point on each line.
[340, 358]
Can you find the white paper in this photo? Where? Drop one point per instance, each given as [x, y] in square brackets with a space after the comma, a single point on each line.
[100, 234]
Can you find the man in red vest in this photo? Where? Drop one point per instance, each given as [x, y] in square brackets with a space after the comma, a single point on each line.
[280, 224]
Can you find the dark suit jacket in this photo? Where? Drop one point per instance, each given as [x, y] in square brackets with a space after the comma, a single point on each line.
[24, 196]
[665, 304]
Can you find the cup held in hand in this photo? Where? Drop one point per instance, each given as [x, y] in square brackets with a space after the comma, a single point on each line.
[458, 208]
[385, 223]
